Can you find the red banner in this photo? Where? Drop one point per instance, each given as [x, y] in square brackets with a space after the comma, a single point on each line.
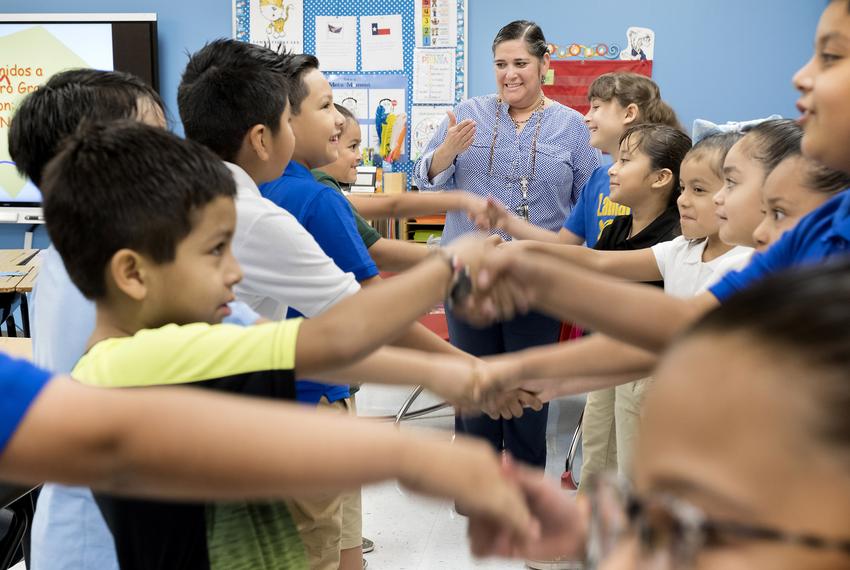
[573, 78]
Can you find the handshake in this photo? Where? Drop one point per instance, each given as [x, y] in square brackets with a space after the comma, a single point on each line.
[493, 385]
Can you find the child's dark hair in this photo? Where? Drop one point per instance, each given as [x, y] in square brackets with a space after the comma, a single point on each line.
[665, 146]
[527, 31]
[825, 180]
[229, 87]
[714, 148]
[297, 67]
[54, 111]
[803, 314]
[346, 113]
[629, 88]
[771, 142]
[126, 185]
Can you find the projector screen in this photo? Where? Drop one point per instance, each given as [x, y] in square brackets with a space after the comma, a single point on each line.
[32, 51]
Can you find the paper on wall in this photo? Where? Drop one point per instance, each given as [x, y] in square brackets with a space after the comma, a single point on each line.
[357, 101]
[336, 42]
[424, 122]
[436, 23]
[392, 100]
[381, 45]
[275, 24]
[434, 75]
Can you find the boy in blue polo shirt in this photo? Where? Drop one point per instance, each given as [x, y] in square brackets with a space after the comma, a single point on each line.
[331, 540]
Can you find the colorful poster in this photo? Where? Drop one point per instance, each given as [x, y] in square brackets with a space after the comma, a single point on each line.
[424, 122]
[275, 24]
[381, 43]
[31, 54]
[336, 42]
[641, 45]
[436, 23]
[434, 75]
[363, 94]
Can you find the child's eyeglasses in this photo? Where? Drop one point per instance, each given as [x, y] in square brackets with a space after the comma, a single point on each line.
[671, 532]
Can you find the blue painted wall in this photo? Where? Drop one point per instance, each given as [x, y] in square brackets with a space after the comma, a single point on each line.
[717, 59]
[714, 59]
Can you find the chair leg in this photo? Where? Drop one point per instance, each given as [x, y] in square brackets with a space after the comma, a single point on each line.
[11, 330]
[25, 315]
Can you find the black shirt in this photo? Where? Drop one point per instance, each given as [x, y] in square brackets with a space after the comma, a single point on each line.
[615, 237]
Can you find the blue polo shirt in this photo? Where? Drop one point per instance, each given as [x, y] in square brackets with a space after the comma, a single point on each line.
[326, 214]
[594, 209]
[822, 234]
[20, 384]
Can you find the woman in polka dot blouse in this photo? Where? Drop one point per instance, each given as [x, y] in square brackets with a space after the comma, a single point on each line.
[533, 155]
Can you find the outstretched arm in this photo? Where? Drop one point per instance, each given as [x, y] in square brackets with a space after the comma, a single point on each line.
[635, 313]
[634, 265]
[380, 313]
[411, 204]
[156, 442]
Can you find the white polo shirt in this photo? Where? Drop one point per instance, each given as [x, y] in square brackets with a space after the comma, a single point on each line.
[283, 265]
[685, 273]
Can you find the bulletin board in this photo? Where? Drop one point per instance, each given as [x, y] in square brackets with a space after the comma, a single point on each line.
[571, 80]
[425, 49]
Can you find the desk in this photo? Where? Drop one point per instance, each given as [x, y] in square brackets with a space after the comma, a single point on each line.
[17, 347]
[18, 272]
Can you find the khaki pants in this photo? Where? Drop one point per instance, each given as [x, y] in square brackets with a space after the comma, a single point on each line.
[331, 522]
[610, 428]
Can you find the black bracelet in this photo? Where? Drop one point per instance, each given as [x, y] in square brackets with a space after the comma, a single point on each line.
[460, 286]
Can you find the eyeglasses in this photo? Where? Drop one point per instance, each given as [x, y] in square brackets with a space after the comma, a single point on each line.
[671, 532]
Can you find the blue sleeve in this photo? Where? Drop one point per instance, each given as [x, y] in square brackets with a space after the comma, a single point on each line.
[761, 265]
[586, 160]
[241, 314]
[20, 383]
[575, 222]
[329, 218]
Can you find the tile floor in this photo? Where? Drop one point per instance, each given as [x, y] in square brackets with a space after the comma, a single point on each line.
[412, 533]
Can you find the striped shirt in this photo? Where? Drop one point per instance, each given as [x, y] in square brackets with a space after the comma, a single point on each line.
[564, 162]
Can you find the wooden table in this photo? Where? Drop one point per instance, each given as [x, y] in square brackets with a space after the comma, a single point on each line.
[17, 347]
[18, 272]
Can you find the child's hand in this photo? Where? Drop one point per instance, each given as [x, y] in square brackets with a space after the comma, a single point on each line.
[511, 404]
[563, 521]
[476, 209]
[466, 383]
[498, 217]
[501, 299]
[469, 472]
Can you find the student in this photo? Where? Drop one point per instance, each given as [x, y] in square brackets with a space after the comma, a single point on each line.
[654, 319]
[218, 100]
[618, 101]
[388, 254]
[687, 265]
[147, 266]
[156, 442]
[796, 187]
[646, 179]
[769, 366]
[232, 98]
[745, 169]
[68, 530]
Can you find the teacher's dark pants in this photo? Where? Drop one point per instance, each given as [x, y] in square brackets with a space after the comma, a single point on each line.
[525, 437]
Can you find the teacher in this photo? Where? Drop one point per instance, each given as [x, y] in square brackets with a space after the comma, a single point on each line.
[533, 155]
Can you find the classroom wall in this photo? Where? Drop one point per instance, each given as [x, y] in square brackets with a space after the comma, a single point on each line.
[717, 59]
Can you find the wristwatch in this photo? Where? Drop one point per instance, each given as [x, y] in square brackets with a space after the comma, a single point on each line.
[460, 286]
